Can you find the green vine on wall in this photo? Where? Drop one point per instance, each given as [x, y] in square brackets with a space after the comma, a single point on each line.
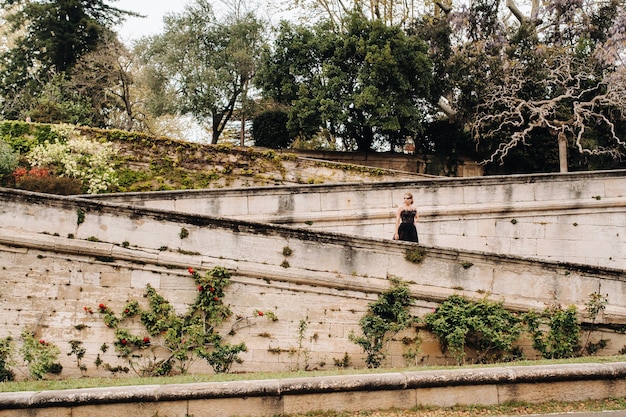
[384, 318]
[484, 326]
[41, 356]
[184, 337]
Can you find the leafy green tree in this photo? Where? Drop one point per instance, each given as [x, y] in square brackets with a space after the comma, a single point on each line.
[52, 36]
[367, 85]
[204, 63]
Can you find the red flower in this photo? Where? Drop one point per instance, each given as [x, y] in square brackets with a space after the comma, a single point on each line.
[86, 308]
[260, 313]
[102, 306]
[215, 298]
[42, 342]
[126, 311]
[123, 341]
[146, 340]
[200, 288]
[190, 270]
[212, 289]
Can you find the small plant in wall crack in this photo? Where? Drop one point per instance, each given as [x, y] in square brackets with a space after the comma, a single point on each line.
[77, 349]
[595, 305]
[415, 255]
[80, 216]
[300, 352]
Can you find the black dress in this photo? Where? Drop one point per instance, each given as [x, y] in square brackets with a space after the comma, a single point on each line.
[407, 230]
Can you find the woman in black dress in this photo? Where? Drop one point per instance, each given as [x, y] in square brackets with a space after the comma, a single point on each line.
[406, 216]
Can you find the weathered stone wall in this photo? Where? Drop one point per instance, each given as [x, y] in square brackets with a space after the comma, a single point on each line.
[423, 164]
[575, 217]
[61, 254]
[339, 393]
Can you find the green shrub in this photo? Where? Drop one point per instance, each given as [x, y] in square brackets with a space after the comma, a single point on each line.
[269, 129]
[79, 158]
[555, 331]
[484, 326]
[40, 355]
[9, 159]
[384, 318]
[6, 359]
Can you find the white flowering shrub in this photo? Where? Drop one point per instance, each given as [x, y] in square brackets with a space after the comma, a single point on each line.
[83, 159]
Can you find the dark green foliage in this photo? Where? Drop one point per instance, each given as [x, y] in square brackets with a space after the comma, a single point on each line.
[269, 129]
[6, 353]
[51, 37]
[24, 136]
[483, 326]
[364, 84]
[555, 331]
[384, 318]
[51, 185]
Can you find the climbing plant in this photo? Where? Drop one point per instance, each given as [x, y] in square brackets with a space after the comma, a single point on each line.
[384, 318]
[185, 337]
[484, 326]
[555, 331]
[41, 356]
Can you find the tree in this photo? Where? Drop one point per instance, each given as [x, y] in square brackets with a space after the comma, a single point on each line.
[554, 74]
[366, 85]
[389, 12]
[51, 38]
[204, 62]
[105, 78]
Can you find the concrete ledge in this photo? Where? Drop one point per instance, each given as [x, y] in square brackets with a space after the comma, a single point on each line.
[486, 386]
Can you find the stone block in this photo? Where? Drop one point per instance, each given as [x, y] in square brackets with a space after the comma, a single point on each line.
[38, 412]
[141, 278]
[228, 407]
[116, 279]
[349, 401]
[457, 395]
[556, 391]
[138, 409]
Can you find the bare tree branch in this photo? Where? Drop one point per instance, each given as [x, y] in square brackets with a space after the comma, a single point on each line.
[576, 104]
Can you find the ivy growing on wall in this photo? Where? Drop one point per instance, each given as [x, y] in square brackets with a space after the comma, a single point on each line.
[384, 318]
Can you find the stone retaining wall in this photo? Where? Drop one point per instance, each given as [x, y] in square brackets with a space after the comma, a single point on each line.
[61, 254]
[402, 390]
[574, 217]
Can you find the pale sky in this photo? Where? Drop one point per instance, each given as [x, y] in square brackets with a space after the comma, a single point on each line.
[134, 27]
[154, 10]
